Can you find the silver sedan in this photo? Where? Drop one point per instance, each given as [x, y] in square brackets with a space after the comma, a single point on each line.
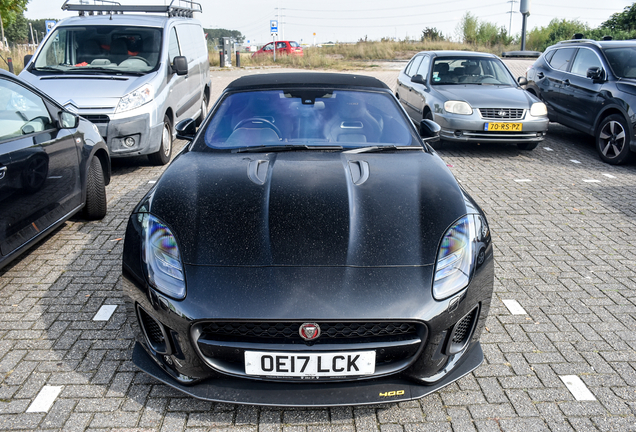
[473, 97]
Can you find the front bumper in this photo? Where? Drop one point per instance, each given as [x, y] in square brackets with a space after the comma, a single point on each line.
[252, 392]
[462, 128]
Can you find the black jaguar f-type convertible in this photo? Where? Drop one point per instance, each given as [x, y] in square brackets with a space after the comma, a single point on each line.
[308, 248]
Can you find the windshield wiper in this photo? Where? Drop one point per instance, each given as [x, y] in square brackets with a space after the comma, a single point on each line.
[286, 147]
[372, 149]
[49, 68]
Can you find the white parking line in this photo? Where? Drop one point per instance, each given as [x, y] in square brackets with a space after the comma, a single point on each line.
[514, 307]
[104, 313]
[578, 389]
[547, 149]
[609, 176]
[574, 161]
[44, 400]
[591, 181]
[522, 180]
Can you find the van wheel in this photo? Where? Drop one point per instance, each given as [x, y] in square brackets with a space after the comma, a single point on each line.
[95, 207]
[527, 146]
[162, 157]
[612, 140]
[204, 110]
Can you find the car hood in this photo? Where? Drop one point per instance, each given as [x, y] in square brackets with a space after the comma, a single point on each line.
[308, 208]
[488, 96]
[86, 91]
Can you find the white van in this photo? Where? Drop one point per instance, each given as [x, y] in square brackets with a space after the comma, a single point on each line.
[131, 71]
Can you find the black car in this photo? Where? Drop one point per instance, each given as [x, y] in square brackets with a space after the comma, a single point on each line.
[52, 165]
[307, 248]
[591, 86]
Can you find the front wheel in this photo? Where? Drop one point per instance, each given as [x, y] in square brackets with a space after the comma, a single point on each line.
[612, 140]
[527, 146]
[95, 207]
[162, 157]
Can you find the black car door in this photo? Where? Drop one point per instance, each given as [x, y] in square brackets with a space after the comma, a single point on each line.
[580, 94]
[551, 81]
[39, 166]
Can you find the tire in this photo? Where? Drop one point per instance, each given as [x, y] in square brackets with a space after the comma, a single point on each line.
[527, 146]
[204, 110]
[612, 140]
[162, 156]
[95, 207]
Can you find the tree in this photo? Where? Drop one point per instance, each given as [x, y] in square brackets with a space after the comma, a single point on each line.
[11, 9]
[220, 33]
[431, 34]
[625, 21]
[18, 30]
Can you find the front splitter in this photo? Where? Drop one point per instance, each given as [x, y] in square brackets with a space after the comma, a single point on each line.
[314, 394]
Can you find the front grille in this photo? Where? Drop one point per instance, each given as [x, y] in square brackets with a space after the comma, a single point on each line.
[502, 113]
[289, 330]
[96, 118]
[222, 344]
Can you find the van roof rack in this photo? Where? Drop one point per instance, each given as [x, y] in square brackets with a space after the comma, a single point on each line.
[176, 8]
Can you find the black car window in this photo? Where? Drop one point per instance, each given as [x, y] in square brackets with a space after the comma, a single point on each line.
[622, 61]
[460, 70]
[307, 116]
[412, 67]
[585, 59]
[21, 111]
[561, 58]
[424, 66]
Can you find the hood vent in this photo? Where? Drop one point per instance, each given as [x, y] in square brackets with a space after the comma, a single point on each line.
[257, 171]
[359, 171]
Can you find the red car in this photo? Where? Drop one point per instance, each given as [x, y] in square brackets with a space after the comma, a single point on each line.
[282, 47]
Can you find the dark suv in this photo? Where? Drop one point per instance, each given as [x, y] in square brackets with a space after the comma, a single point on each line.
[591, 86]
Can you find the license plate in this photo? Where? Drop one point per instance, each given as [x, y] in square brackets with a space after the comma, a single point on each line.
[495, 127]
[284, 364]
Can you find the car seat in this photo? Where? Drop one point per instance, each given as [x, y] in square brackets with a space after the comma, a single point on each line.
[352, 122]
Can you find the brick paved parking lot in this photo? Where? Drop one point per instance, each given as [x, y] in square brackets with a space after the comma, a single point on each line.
[564, 312]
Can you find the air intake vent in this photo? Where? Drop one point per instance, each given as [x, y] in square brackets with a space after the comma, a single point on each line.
[461, 332]
[153, 330]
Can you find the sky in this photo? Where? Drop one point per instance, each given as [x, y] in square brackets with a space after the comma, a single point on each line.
[352, 20]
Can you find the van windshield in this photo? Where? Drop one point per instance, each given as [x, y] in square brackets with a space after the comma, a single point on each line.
[100, 49]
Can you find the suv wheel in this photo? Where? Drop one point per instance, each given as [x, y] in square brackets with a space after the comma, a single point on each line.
[612, 140]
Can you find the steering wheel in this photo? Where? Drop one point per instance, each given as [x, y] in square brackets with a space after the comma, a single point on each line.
[484, 77]
[259, 123]
[138, 58]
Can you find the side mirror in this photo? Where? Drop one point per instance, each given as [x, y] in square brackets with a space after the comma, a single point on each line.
[429, 130]
[418, 79]
[522, 81]
[186, 129]
[27, 58]
[67, 120]
[596, 73]
[180, 65]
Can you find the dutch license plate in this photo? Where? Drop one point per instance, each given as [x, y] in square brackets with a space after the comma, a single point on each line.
[285, 364]
[496, 127]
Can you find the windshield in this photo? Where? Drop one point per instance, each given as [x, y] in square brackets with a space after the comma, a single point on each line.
[470, 70]
[309, 117]
[101, 49]
[622, 61]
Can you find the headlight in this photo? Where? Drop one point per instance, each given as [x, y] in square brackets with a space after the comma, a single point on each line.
[538, 109]
[135, 99]
[162, 258]
[456, 255]
[458, 107]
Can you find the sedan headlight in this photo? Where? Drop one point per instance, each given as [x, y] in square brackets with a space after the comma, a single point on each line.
[458, 107]
[538, 109]
[456, 255]
[162, 258]
[135, 99]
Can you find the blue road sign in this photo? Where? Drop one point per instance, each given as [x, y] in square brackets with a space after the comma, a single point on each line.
[273, 26]
[49, 25]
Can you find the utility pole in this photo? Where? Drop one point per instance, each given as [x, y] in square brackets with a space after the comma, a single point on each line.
[2, 28]
[512, 5]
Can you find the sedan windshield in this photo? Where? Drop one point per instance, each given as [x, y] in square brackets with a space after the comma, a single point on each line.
[100, 49]
[308, 118]
[623, 61]
[470, 70]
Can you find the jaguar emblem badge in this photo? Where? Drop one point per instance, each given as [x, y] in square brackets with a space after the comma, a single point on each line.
[309, 331]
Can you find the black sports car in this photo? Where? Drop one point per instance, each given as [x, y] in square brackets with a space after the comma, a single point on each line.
[308, 248]
[52, 165]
